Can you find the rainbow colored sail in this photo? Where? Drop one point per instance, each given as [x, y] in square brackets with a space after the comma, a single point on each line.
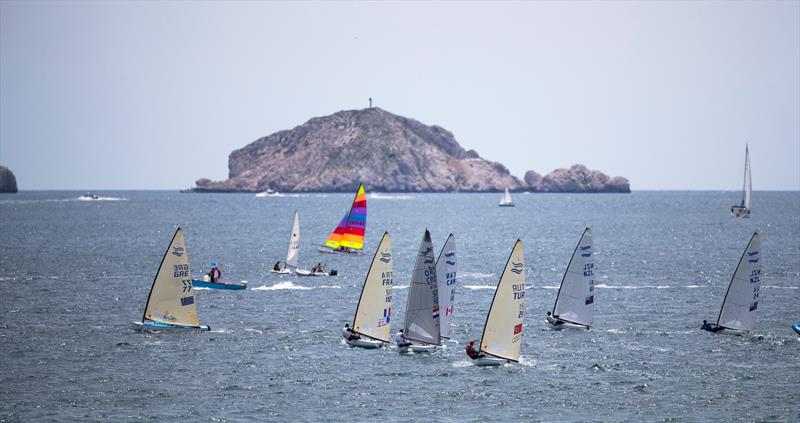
[350, 232]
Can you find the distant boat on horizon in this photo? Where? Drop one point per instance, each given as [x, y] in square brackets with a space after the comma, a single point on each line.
[505, 200]
[743, 209]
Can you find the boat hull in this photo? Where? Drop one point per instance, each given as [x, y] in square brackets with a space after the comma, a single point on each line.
[282, 271]
[416, 348]
[329, 250]
[796, 327]
[365, 343]
[740, 212]
[551, 323]
[158, 327]
[218, 285]
[489, 361]
[506, 205]
[304, 272]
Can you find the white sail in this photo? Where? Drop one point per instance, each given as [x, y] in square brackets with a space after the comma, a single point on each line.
[171, 297]
[748, 180]
[446, 269]
[293, 253]
[505, 199]
[422, 306]
[502, 334]
[575, 299]
[741, 301]
[374, 310]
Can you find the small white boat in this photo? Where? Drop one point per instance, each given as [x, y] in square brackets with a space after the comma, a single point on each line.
[304, 272]
[505, 200]
[421, 326]
[738, 312]
[743, 209]
[268, 193]
[293, 251]
[574, 306]
[502, 335]
[171, 303]
[374, 310]
[89, 196]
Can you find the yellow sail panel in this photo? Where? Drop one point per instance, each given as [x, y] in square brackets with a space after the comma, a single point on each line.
[374, 310]
[172, 297]
[502, 335]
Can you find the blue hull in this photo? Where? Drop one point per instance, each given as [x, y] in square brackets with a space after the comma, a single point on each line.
[151, 326]
[796, 327]
[219, 285]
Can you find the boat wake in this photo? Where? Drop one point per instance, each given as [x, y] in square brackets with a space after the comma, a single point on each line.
[281, 286]
[378, 196]
[476, 287]
[478, 275]
[101, 198]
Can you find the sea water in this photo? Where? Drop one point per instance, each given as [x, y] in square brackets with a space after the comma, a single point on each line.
[74, 275]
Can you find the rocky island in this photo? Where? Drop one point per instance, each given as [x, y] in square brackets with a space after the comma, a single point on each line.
[8, 182]
[389, 153]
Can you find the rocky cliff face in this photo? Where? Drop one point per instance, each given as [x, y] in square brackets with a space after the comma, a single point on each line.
[385, 151]
[8, 182]
[576, 179]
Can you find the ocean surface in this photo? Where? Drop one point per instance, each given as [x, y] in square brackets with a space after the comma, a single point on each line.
[74, 275]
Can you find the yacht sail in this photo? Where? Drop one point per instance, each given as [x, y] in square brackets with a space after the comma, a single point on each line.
[739, 307]
[374, 309]
[502, 333]
[348, 236]
[743, 209]
[422, 307]
[446, 269]
[574, 304]
[505, 200]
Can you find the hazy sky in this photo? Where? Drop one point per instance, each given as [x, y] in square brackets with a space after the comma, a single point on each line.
[154, 95]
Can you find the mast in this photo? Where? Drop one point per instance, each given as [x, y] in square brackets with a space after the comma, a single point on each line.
[744, 182]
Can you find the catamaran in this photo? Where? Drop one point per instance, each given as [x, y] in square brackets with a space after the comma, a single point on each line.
[502, 333]
[446, 269]
[743, 209]
[505, 200]
[574, 306]
[171, 306]
[348, 236]
[738, 312]
[421, 326]
[374, 310]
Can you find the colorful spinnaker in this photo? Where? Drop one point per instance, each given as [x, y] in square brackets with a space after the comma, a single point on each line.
[349, 234]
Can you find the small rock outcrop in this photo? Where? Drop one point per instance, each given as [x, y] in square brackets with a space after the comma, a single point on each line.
[384, 151]
[8, 182]
[576, 179]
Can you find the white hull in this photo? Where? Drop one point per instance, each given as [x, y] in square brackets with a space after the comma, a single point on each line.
[737, 211]
[417, 349]
[489, 361]
[365, 343]
[551, 323]
[304, 272]
[282, 271]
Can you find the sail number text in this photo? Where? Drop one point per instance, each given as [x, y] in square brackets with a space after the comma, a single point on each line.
[181, 271]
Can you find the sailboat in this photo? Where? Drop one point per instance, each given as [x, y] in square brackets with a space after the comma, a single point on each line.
[348, 236]
[293, 252]
[738, 312]
[374, 310]
[574, 306]
[446, 269]
[743, 210]
[171, 306]
[505, 200]
[502, 334]
[421, 326]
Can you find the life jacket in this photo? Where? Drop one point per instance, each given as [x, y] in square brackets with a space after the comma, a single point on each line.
[470, 352]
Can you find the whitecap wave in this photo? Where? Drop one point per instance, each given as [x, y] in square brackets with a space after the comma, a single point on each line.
[476, 287]
[477, 275]
[281, 286]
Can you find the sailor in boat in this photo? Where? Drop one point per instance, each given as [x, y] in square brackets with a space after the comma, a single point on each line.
[554, 320]
[343, 249]
[348, 334]
[214, 274]
[711, 327]
[277, 266]
[401, 339]
[472, 350]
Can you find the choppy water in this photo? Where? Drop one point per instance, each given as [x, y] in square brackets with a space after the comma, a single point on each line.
[74, 274]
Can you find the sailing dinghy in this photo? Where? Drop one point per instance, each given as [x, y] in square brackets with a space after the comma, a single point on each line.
[206, 283]
[374, 309]
[293, 252]
[502, 333]
[348, 236]
[171, 306]
[738, 312]
[446, 269]
[421, 326]
[574, 306]
[743, 209]
[505, 200]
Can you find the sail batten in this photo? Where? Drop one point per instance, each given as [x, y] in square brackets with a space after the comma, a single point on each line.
[171, 298]
[350, 231]
[422, 305]
[374, 309]
[739, 306]
[502, 333]
[575, 298]
[446, 275]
